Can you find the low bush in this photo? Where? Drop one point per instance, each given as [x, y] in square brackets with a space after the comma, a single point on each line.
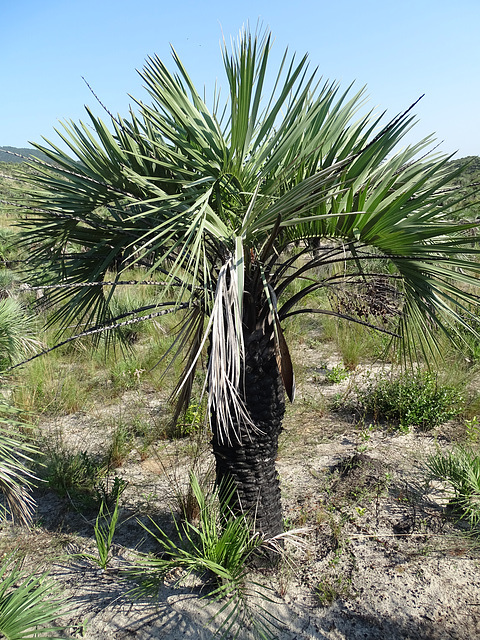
[336, 374]
[191, 422]
[411, 400]
[81, 477]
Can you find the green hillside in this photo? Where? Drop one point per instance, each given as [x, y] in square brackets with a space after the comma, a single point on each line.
[24, 152]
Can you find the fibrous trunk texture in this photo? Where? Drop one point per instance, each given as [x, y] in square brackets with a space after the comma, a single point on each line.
[251, 464]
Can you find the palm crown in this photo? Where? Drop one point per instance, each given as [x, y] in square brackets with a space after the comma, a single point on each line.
[231, 205]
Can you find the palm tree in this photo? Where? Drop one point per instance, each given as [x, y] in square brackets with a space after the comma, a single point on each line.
[242, 211]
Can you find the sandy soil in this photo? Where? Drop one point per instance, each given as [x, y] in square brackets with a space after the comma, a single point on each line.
[381, 560]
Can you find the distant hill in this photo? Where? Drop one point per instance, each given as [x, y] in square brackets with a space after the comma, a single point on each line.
[21, 151]
[472, 168]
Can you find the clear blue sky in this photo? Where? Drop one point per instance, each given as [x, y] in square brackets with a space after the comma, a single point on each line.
[400, 50]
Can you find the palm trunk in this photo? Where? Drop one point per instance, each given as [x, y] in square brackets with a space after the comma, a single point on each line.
[251, 464]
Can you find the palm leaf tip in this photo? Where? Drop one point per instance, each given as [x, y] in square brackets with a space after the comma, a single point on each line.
[16, 477]
[30, 604]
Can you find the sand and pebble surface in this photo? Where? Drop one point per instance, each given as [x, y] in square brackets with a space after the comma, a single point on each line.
[380, 560]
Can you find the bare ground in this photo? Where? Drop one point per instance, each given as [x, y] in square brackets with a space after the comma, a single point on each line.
[381, 559]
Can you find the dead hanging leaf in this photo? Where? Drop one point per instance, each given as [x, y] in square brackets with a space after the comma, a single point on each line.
[284, 361]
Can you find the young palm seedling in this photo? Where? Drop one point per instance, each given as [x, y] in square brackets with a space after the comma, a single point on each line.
[104, 532]
[217, 551]
[460, 470]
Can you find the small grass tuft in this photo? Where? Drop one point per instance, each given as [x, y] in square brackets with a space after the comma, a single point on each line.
[330, 589]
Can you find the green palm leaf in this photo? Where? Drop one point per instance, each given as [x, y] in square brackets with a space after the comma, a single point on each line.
[27, 609]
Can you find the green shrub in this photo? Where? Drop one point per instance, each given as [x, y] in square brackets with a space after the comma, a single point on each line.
[68, 472]
[82, 477]
[191, 421]
[336, 374]
[411, 400]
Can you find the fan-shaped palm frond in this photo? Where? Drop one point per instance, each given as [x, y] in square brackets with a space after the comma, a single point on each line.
[16, 457]
[27, 609]
[17, 339]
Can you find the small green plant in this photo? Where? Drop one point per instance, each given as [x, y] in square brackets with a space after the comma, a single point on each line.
[216, 550]
[336, 374]
[191, 422]
[330, 589]
[126, 374]
[472, 429]
[120, 446]
[412, 399]
[141, 426]
[460, 470]
[109, 489]
[72, 473]
[185, 501]
[366, 432]
[82, 477]
[104, 530]
[338, 402]
[29, 604]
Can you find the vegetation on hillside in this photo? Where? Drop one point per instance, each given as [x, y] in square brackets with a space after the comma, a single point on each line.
[467, 182]
[17, 155]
